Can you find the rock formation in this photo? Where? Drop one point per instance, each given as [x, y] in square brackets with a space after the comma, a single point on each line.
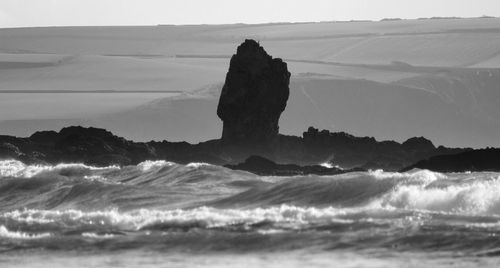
[475, 160]
[93, 146]
[265, 167]
[253, 97]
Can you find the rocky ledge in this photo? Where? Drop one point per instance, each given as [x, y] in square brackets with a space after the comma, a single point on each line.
[476, 160]
[265, 167]
[99, 147]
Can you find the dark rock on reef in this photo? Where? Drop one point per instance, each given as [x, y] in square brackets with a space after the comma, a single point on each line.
[476, 160]
[253, 97]
[101, 148]
[418, 144]
[78, 144]
[265, 167]
[349, 151]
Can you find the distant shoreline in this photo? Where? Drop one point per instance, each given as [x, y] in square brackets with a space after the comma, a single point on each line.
[259, 24]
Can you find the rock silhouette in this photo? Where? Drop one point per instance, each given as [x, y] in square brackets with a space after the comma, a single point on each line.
[476, 160]
[265, 167]
[253, 97]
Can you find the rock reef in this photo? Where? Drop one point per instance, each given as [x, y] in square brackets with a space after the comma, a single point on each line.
[476, 160]
[253, 97]
[265, 167]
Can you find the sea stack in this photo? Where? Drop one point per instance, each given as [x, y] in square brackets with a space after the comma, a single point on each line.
[253, 97]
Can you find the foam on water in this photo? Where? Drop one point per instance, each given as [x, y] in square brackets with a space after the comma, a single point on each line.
[207, 217]
[148, 164]
[425, 176]
[437, 192]
[14, 168]
[330, 165]
[197, 165]
[4, 232]
[98, 236]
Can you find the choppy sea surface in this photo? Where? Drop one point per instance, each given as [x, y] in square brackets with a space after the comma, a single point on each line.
[160, 213]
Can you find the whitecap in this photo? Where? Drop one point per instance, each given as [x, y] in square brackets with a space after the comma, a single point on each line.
[4, 232]
[149, 164]
[98, 236]
[17, 169]
[470, 197]
[197, 165]
[284, 215]
[330, 165]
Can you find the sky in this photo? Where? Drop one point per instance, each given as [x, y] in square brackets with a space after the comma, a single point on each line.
[29, 13]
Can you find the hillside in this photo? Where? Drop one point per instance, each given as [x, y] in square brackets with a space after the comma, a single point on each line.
[390, 80]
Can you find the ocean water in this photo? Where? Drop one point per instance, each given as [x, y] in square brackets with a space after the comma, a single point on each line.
[160, 213]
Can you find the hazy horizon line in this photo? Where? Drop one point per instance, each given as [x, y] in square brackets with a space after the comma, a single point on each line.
[389, 19]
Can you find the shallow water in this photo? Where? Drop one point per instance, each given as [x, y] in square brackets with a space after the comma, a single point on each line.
[196, 215]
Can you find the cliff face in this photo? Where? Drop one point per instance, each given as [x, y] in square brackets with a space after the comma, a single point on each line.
[253, 97]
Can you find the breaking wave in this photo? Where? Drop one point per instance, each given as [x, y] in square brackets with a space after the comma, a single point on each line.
[14, 168]
[4, 232]
[201, 217]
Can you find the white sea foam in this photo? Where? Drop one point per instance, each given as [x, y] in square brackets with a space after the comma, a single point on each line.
[426, 176]
[330, 165]
[10, 168]
[4, 232]
[197, 165]
[14, 168]
[98, 236]
[479, 196]
[148, 164]
[290, 216]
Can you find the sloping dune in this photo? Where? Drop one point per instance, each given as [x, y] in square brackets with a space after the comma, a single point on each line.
[391, 80]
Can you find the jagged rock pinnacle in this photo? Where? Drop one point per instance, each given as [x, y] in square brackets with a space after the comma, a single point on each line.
[254, 96]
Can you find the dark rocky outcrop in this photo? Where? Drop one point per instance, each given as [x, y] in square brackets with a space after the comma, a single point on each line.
[253, 97]
[418, 144]
[101, 148]
[476, 160]
[76, 144]
[265, 167]
[349, 151]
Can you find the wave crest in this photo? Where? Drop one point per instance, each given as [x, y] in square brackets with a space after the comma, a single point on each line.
[472, 197]
[14, 168]
[148, 164]
[206, 217]
[4, 232]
